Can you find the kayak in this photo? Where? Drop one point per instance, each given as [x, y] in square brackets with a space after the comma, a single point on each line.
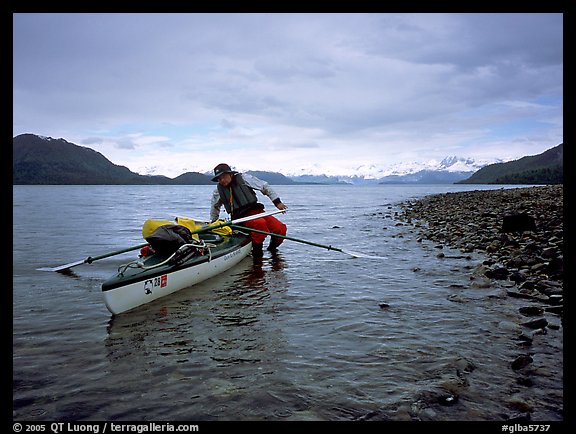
[160, 274]
[175, 256]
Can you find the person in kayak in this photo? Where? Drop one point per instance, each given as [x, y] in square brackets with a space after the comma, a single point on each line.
[236, 192]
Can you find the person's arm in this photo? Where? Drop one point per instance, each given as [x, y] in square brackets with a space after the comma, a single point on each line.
[264, 187]
[215, 206]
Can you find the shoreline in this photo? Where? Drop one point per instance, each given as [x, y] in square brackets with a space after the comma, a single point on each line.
[523, 254]
[518, 230]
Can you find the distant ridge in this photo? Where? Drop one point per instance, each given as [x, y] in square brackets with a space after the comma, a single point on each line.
[191, 178]
[44, 160]
[272, 177]
[544, 168]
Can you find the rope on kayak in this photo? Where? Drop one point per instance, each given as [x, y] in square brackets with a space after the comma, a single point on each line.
[199, 246]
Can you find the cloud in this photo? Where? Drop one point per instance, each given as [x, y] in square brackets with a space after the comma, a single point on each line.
[388, 86]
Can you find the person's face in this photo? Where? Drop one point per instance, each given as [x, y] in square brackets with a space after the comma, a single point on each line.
[225, 179]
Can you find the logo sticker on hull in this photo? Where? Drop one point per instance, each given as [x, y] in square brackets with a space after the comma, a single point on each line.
[156, 282]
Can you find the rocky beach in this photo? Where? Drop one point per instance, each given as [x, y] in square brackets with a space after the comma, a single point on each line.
[519, 233]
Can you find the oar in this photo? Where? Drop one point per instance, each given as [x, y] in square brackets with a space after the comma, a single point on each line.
[348, 252]
[243, 219]
[91, 259]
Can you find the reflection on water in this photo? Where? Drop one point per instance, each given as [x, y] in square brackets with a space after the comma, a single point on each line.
[213, 339]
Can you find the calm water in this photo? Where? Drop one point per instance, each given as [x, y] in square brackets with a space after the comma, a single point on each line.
[301, 336]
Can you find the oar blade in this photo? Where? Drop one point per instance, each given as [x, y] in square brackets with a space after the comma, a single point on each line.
[62, 267]
[362, 255]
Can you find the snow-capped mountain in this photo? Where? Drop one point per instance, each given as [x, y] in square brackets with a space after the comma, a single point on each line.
[448, 170]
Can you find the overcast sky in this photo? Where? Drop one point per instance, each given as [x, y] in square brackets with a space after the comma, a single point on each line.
[171, 93]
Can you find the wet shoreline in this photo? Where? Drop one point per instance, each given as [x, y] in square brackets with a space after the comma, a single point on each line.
[519, 232]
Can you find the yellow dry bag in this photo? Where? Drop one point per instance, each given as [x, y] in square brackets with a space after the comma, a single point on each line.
[151, 225]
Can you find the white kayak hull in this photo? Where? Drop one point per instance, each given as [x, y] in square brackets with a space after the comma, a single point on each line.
[145, 287]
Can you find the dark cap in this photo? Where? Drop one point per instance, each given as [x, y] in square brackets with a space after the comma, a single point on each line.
[220, 169]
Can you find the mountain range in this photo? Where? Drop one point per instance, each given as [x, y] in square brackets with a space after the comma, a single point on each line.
[446, 171]
[45, 160]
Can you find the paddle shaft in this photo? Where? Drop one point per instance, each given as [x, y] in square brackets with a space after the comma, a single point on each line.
[290, 238]
[91, 259]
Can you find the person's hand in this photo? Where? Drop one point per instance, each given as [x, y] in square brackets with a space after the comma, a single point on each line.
[281, 206]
